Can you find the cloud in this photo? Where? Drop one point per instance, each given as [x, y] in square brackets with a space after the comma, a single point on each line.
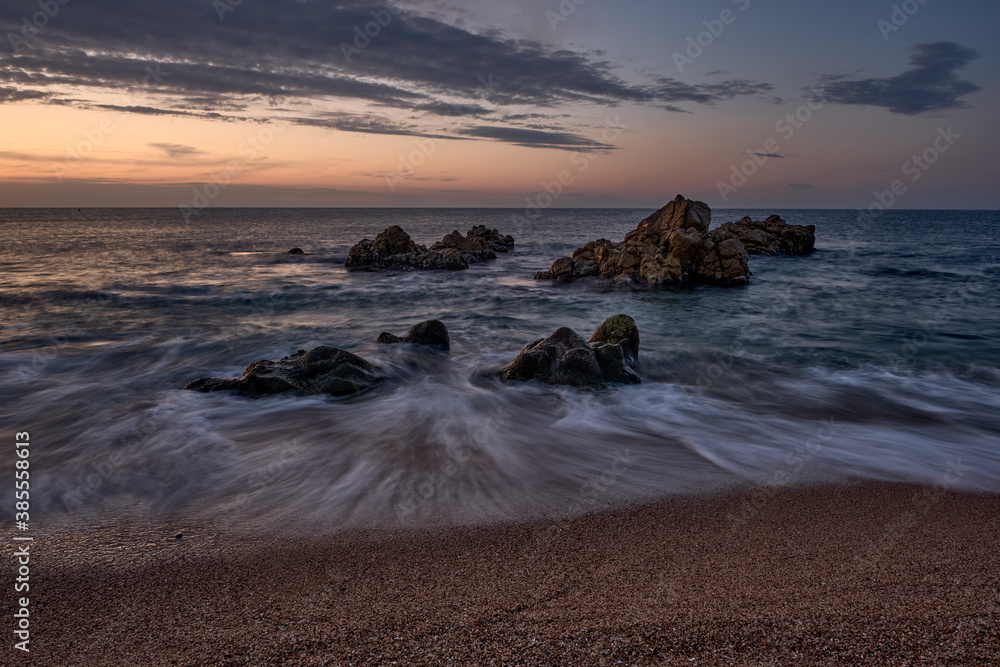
[671, 90]
[766, 154]
[368, 124]
[800, 186]
[533, 116]
[454, 110]
[535, 138]
[179, 58]
[931, 84]
[18, 95]
[174, 151]
[154, 111]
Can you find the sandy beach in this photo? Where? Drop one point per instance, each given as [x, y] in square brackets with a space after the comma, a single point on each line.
[874, 573]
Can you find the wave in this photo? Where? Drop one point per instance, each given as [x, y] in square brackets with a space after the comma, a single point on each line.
[445, 442]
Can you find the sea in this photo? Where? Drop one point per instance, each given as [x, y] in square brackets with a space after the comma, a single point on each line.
[875, 358]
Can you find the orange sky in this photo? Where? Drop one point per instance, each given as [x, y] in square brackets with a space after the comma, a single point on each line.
[71, 148]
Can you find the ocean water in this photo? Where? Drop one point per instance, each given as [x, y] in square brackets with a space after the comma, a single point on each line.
[877, 357]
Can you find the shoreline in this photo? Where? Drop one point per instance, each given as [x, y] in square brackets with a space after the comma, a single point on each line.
[868, 572]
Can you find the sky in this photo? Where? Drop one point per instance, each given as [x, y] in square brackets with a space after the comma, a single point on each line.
[547, 103]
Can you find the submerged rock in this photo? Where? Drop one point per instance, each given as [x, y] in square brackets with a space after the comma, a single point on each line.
[323, 370]
[672, 247]
[394, 249]
[773, 236]
[565, 357]
[432, 333]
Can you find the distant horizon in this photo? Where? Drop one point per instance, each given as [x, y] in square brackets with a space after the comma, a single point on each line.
[494, 208]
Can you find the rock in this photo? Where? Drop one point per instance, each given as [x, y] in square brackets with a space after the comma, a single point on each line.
[178, 536]
[394, 249]
[562, 269]
[491, 240]
[296, 251]
[432, 333]
[387, 338]
[721, 259]
[773, 236]
[619, 330]
[672, 247]
[566, 358]
[322, 370]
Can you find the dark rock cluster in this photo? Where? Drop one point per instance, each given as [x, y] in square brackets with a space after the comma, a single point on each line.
[610, 355]
[394, 249]
[672, 247]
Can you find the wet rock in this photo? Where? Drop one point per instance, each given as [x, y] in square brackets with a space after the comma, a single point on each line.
[566, 358]
[773, 236]
[296, 251]
[394, 249]
[672, 247]
[720, 259]
[620, 331]
[432, 333]
[322, 370]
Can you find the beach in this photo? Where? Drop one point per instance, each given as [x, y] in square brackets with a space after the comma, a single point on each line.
[871, 572]
[499, 333]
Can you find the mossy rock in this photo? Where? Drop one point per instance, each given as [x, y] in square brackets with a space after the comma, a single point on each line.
[566, 358]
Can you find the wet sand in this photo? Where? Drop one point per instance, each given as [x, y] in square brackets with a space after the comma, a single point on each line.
[873, 573]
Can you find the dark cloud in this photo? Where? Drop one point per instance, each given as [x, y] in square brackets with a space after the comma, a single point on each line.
[672, 90]
[176, 150]
[208, 103]
[931, 84]
[368, 124]
[144, 110]
[535, 138]
[766, 154]
[154, 111]
[454, 110]
[179, 58]
[533, 116]
[16, 95]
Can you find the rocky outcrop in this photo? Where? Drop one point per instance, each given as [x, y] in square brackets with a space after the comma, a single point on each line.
[323, 370]
[672, 247]
[432, 333]
[610, 355]
[394, 249]
[773, 236]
